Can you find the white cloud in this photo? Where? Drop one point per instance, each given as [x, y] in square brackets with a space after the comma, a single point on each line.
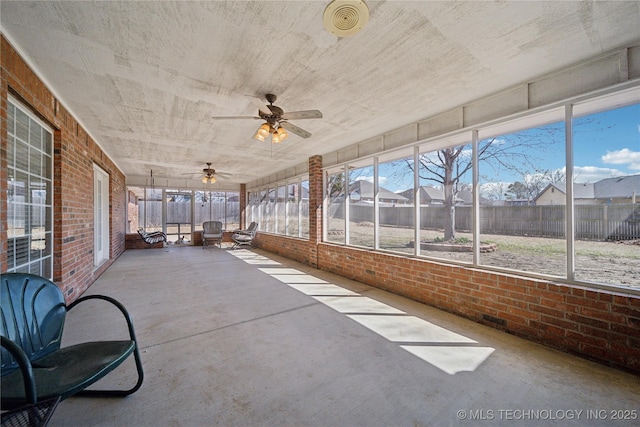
[381, 179]
[623, 157]
[594, 173]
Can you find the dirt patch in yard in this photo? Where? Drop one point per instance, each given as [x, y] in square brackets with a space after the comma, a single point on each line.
[614, 263]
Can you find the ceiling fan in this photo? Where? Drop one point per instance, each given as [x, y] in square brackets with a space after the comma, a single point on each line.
[209, 174]
[276, 120]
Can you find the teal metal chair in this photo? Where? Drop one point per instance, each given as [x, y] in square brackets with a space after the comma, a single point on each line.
[34, 366]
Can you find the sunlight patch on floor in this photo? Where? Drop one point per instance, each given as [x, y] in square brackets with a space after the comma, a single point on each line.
[297, 278]
[253, 258]
[409, 329]
[282, 270]
[446, 350]
[451, 359]
[357, 304]
[320, 289]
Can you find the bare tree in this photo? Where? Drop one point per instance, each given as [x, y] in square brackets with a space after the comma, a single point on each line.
[517, 153]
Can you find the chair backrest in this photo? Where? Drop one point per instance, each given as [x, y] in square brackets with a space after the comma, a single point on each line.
[33, 311]
[252, 227]
[212, 227]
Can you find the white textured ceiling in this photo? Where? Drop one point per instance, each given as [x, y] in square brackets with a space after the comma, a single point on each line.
[145, 78]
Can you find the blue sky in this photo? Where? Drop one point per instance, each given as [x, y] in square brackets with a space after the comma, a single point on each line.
[605, 144]
[609, 145]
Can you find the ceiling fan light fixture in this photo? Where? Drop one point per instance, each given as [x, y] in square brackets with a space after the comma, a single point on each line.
[282, 133]
[275, 138]
[264, 129]
[204, 180]
[259, 136]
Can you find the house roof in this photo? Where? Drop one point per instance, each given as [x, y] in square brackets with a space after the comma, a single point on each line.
[431, 193]
[616, 187]
[580, 190]
[365, 190]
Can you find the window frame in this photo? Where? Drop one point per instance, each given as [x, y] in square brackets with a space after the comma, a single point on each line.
[44, 262]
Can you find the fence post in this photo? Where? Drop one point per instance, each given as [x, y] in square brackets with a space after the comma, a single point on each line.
[605, 222]
[541, 224]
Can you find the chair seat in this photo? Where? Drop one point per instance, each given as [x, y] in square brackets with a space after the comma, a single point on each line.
[67, 371]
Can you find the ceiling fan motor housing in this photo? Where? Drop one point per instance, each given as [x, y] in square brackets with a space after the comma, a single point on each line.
[275, 116]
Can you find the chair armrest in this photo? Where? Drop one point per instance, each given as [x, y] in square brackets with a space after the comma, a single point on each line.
[132, 334]
[25, 367]
[113, 301]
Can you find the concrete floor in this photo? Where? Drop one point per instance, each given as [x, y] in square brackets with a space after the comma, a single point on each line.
[246, 338]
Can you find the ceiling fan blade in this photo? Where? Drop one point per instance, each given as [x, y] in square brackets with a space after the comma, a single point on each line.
[234, 117]
[260, 104]
[224, 174]
[307, 114]
[295, 129]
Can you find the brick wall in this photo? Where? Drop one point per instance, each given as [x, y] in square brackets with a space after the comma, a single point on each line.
[74, 154]
[243, 206]
[134, 241]
[598, 324]
[290, 247]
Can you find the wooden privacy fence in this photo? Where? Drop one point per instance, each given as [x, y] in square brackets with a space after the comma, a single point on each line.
[592, 222]
[180, 213]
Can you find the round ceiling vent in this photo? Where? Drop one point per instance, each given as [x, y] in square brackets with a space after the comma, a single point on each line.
[345, 17]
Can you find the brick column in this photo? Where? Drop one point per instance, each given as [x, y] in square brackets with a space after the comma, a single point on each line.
[243, 206]
[315, 208]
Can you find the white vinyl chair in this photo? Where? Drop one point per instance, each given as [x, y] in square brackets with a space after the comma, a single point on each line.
[244, 237]
[212, 232]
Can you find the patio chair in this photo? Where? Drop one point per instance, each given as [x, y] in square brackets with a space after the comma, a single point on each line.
[152, 237]
[212, 232]
[244, 237]
[35, 368]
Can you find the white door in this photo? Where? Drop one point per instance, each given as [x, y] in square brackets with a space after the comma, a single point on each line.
[100, 215]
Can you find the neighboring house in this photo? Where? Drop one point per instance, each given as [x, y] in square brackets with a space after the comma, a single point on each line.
[465, 198]
[622, 189]
[362, 192]
[435, 196]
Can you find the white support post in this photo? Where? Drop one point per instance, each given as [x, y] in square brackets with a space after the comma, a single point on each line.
[416, 200]
[376, 206]
[569, 211]
[476, 198]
